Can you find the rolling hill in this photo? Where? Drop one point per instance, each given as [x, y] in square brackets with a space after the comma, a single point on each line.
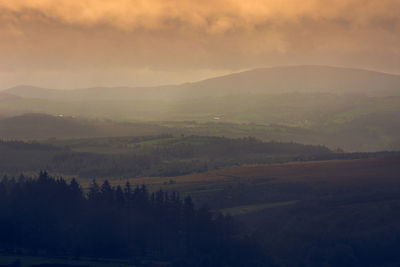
[302, 209]
[365, 133]
[6, 96]
[352, 109]
[302, 79]
[36, 126]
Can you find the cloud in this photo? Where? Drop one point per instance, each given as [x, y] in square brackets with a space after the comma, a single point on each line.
[93, 36]
[213, 16]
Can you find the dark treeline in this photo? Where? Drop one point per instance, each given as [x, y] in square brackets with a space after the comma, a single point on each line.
[162, 155]
[21, 145]
[178, 156]
[351, 230]
[50, 217]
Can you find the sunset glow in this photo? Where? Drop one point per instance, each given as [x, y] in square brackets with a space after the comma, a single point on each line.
[78, 43]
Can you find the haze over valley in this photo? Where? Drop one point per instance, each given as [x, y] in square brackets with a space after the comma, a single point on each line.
[182, 133]
[351, 109]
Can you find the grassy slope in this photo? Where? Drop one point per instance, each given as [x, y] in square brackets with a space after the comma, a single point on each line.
[164, 155]
[266, 186]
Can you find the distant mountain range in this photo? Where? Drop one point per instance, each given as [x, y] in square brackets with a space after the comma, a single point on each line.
[356, 110]
[289, 79]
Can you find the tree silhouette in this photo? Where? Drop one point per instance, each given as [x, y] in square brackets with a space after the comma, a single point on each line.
[49, 215]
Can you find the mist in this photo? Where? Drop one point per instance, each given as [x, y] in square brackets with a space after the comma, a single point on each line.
[199, 133]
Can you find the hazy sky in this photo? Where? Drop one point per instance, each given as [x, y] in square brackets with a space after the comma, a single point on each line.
[81, 43]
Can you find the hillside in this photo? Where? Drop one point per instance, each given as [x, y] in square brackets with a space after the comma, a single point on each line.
[352, 109]
[7, 96]
[41, 126]
[36, 126]
[307, 212]
[163, 155]
[356, 129]
[302, 79]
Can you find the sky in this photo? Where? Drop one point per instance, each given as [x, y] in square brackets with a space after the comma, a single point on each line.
[82, 43]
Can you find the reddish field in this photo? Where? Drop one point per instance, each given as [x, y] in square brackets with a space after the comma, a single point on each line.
[357, 170]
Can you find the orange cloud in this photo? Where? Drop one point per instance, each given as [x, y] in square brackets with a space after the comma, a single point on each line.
[211, 35]
[214, 16]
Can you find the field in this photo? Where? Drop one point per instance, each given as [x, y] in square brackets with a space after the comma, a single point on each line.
[297, 209]
[307, 211]
[267, 186]
[161, 155]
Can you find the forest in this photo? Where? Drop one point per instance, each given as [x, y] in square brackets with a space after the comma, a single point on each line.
[161, 155]
[313, 213]
[50, 217]
[155, 155]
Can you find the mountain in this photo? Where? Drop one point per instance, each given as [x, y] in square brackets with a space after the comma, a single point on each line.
[289, 79]
[303, 79]
[338, 107]
[6, 96]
